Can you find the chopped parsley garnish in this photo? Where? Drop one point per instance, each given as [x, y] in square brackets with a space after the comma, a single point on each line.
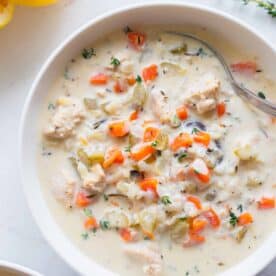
[201, 52]
[196, 171]
[154, 144]
[181, 156]
[127, 29]
[233, 219]
[261, 95]
[105, 197]
[175, 121]
[88, 53]
[195, 130]
[166, 200]
[115, 62]
[85, 235]
[138, 79]
[240, 208]
[88, 212]
[51, 106]
[127, 148]
[104, 224]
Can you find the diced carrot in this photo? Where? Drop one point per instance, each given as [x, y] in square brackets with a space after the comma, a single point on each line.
[246, 66]
[118, 129]
[195, 200]
[245, 218]
[82, 200]
[221, 108]
[150, 73]
[142, 153]
[194, 239]
[182, 113]
[134, 115]
[200, 170]
[136, 39]
[212, 217]
[273, 120]
[150, 134]
[99, 79]
[125, 234]
[149, 184]
[91, 223]
[197, 225]
[131, 80]
[182, 140]
[148, 234]
[119, 87]
[266, 203]
[113, 155]
[202, 138]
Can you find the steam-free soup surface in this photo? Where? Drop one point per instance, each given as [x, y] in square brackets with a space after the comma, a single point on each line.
[150, 162]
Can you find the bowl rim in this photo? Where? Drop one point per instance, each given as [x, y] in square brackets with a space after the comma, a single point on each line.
[263, 261]
[18, 268]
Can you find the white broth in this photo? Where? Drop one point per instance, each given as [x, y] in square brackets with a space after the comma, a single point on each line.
[150, 163]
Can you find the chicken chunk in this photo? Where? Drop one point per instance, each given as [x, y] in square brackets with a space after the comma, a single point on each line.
[203, 94]
[148, 254]
[63, 188]
[94, 180]
[68, 115]
[160, 106]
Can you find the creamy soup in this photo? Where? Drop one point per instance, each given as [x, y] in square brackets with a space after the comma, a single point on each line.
[149, 161]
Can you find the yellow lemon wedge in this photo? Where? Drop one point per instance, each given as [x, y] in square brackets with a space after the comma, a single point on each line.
[6, 12]
[34, 3]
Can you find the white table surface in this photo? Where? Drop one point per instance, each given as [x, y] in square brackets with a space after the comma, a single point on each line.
[24, 46]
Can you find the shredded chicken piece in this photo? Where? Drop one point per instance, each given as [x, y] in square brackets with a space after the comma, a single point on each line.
[148, 254]
[95, 179]
[160, 106]
[64, 189]
[203, 94]
[66, 117]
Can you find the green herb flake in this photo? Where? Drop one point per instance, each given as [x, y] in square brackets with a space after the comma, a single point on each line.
[166, 200]
[196, 171]
[181, 156]
[195, 130]
[104, 224]
[240, 208]
[154, 144]
[201, 52]
[88, 212]
[115, 62]
[88, 53]
[105, 197]
[138, 79]
[261, 95]
[127, 29]
[127, 148]
[85, 235]
[233, 219]
[51, 106]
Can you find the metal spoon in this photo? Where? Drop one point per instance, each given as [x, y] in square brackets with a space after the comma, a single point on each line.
[241, 91]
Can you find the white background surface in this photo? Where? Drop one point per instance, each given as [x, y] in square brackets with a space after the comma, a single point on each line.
[24, 46]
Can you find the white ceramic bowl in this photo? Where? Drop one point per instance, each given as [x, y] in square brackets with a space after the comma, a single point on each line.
[216, 22]
[15, 269]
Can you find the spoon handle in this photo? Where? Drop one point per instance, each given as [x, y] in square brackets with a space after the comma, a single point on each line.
[243, 92]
